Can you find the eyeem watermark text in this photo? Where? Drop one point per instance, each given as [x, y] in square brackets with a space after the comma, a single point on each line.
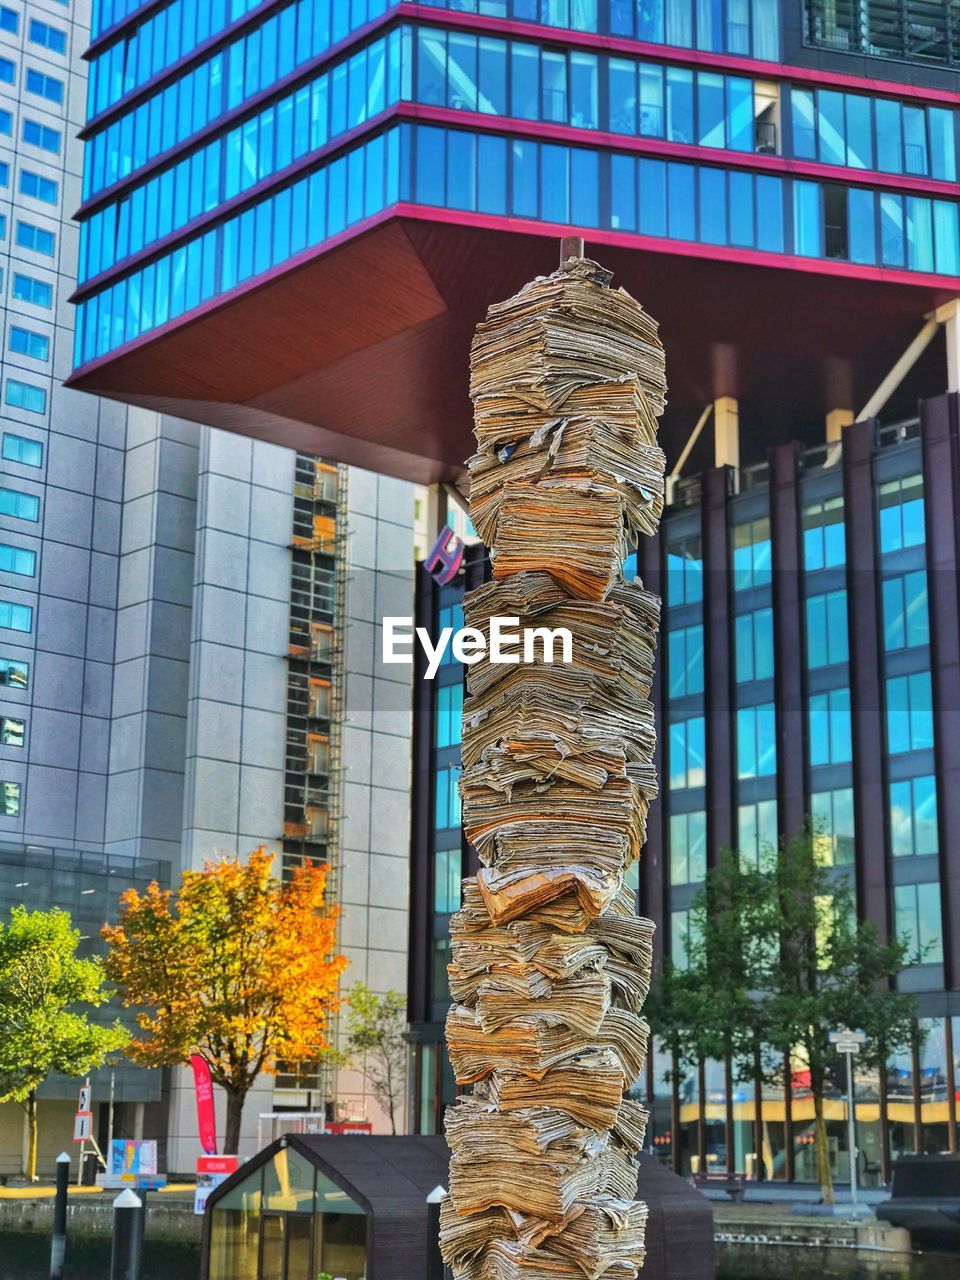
[508, 646]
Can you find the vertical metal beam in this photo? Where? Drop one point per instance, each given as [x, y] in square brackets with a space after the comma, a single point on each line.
[653, 864]
[716, 640]
[866, 693]
[940, 445]
[788, 628]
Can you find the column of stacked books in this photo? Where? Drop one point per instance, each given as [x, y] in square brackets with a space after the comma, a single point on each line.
[551, 963]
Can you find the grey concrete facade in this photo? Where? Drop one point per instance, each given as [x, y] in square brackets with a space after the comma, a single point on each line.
[154, 626]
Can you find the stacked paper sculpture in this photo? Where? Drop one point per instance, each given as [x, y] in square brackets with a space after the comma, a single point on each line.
[551, 964]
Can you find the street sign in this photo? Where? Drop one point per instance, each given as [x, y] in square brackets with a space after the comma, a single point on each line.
[82, 1126]
[83, 1103]
[847, 1046]
[845, 1037]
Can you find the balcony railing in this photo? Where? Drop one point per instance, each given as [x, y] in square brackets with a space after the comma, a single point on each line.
[926, 31]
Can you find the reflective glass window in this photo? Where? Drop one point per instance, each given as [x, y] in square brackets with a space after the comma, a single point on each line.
[826, 629]
[831, 816]
[918, 919]
[753, 635]
[688, 847]
[909, 713]
[830, 734]
[685, 661]
[756, 741]
[913, 817]
[906, 622]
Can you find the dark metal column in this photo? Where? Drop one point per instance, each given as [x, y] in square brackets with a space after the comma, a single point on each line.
[418, 986]
[940, 439]
[866, 694]
[717, 651]
[787, 638]
[653, 859]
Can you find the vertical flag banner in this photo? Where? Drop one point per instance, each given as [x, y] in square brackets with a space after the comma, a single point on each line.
[206, 1118]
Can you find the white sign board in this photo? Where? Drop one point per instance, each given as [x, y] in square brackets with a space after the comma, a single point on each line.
[855, 1037]
[847, 1046]
[84, 1101]
[82, 1126]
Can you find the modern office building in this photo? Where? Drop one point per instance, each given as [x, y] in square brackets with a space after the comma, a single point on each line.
[806, 668]
[186, 631]
[294, 215]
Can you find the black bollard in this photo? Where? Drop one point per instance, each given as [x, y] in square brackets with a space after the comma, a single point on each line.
[127, 1237]
[58, 1245]
[435, 1267]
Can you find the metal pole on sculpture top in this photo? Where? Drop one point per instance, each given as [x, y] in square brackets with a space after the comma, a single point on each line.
[550, 962]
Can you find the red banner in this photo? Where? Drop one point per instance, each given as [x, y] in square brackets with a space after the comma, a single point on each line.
[206, 1119]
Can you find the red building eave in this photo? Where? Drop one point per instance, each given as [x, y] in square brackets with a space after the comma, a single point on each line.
[359, 350]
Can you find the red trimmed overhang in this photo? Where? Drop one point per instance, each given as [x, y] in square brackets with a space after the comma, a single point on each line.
[359, 351]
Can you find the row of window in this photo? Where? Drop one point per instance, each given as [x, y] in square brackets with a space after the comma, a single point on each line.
[900, 526]
[646, 99]
[341, 193]
[906, 625]
[436, 167]
[909, 703]
[160, 40]
[53, 39]
[874, 133]
[268, 142]
[917, 918]
[853, 224]
[586, 90]
[37, 82]
[255, 60]
[748, 27]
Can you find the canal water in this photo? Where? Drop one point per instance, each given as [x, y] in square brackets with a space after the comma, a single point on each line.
[26, 1256]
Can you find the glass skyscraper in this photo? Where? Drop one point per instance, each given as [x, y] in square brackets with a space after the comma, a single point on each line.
[294, 214]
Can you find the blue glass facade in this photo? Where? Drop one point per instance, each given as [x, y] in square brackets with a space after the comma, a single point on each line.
[683, 827]
[202, 116]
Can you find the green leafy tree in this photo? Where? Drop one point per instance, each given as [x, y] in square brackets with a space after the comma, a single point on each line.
[46, 994]
[830, 970]
[376, 1027]
[776, 960]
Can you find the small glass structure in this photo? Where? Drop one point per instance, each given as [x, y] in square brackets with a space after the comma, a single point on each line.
[286, 1220]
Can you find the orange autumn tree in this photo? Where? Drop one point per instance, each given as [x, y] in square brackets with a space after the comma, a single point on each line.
[238, 968]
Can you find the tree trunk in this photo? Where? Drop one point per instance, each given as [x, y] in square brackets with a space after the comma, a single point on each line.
[824, 1175]
[235, 1101]
[760, 1169]
[31, 1105]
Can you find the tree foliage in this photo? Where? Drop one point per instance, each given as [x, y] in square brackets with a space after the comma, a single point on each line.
[46, 995]
[237, 968]
[375, 1032]
[778, 959]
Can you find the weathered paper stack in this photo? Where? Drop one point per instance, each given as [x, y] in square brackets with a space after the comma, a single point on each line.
[551, 964]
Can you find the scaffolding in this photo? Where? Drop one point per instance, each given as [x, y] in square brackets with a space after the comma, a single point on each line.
[315, 699]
